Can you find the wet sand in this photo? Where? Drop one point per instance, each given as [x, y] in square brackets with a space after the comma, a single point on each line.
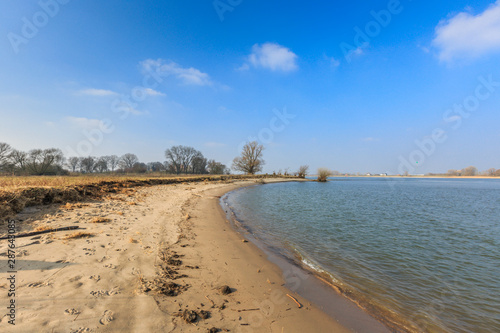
[153, 260]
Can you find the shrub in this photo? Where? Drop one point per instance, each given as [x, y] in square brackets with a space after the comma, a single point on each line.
[323, 174]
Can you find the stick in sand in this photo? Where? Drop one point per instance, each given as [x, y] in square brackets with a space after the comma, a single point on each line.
[296, 302]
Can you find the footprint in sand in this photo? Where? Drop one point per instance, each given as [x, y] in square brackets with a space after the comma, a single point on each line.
[81, 330]
[107, 317]
[96, 278]
[71, 311]
[110, 266]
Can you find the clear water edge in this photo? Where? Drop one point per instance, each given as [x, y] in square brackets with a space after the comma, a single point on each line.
[385, 308]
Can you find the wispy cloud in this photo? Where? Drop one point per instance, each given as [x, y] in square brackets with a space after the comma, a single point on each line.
[214, 144]
[187, 76]
[271, 56]
[469, 36]
[85, 123]
[370, 139]
[97, 92]
[152, 92]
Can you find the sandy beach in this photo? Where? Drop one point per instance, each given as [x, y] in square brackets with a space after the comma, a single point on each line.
[154, 259]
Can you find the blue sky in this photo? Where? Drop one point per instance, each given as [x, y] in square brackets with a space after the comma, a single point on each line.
[376, 86]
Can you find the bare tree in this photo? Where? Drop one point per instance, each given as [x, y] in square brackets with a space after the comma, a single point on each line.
[127, 161]
[5, 150]
[250, 160]
[303, 169]
[113, 161]
[18, 159]
[47, 161]
[216, 168]
[156, 166]
[454, 173]
[323, 174]
[490, 172]
[73, 163]
[469, 171]
[87, 164]
[199, 164]
[180, 158]
[101, 165]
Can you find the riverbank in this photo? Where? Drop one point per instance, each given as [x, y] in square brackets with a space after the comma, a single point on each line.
[148, 259]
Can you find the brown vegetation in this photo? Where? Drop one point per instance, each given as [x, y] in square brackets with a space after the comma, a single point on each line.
[323, 174]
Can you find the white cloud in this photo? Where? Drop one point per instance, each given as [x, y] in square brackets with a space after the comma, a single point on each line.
[152, 92]
[468, 36]
[188, 76]
[85, 123]
[97, 92]
[214, 144]
[271, 56]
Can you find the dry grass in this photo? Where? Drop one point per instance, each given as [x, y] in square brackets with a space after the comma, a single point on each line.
[71, 206]
[100, 220]
[9, 183]
[42, 228]
[132, 203]
[78, 234]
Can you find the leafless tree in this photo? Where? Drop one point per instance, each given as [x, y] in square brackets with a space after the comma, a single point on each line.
[18, 159]
[156, 166]
[250, 160]
[180, 158]
[199, 164]
[469, 171]
[490, 172]
[216, 168]
[46, 161]
[87, 164]
[323, 174]
[127, 161]
[5, 150]
[303, 169]
[101, 165]
[73, 163]
[113, 161]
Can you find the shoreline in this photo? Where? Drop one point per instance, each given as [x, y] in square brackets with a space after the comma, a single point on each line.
[143, 258]
[314, 286]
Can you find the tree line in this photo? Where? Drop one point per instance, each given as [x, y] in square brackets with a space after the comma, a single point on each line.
[179, 160]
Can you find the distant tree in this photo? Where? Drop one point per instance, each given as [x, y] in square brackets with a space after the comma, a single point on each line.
[113, 161]
[303, 169]
[469, 171]
[156, 167]
[127, 161]
[454, 173]
[139, 168]
[18, 160]
[87, 164]
[497, 173]
[199, 164]
[180, 158]
[216, 168]
[73, 163]
[490, 172]
[323, 174]
[250, 160]
[101, 165]
[5, 150]
[43, 162]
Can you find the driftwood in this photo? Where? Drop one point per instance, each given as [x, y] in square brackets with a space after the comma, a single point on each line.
[296, 302]
[33, 233]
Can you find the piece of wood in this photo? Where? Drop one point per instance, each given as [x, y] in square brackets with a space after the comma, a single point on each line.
[296, 302]
[33, 233]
